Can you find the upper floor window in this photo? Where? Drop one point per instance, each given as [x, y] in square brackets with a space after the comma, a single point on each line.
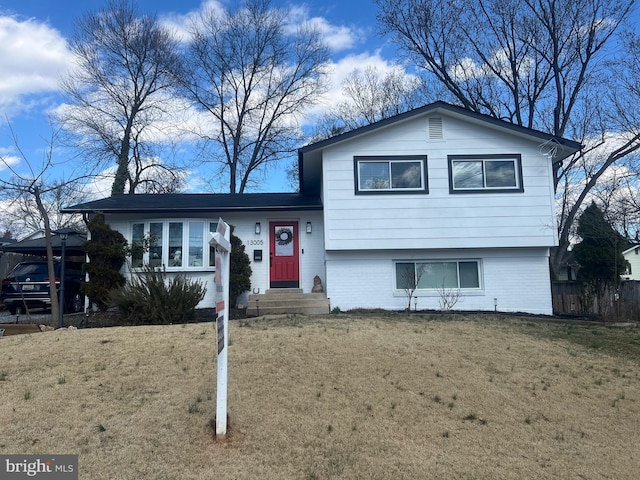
[485, 173]
[391, 174]
[173, 245]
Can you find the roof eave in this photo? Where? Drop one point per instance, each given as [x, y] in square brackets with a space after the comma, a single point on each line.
[569, 146]
[192, 209]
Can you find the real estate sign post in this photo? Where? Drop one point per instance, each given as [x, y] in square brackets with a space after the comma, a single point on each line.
[221, 240]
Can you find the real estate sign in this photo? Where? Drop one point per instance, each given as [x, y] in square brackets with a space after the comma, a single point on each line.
[221, 241]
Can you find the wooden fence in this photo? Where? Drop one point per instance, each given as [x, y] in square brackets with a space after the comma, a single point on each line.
[622, 305]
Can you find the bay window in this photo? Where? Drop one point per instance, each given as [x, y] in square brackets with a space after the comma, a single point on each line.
[196, 244]
[155, 244]
[137, 242]
[174, 244]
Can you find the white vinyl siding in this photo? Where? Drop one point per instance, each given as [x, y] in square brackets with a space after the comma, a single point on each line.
[438, 219]
[632, 256]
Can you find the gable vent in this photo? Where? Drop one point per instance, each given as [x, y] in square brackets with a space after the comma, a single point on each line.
[435, 128]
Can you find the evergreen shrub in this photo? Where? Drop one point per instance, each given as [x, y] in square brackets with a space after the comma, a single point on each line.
[107, 251]
[151, 298]
[240, 270]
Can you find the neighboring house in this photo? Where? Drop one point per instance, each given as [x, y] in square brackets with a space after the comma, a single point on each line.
[6, 241]
[632, 256]
[34, 235]
[461, 200]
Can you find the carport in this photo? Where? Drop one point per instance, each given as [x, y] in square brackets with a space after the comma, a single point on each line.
[38, 246]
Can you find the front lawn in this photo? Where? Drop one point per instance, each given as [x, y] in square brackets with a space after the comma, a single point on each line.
[341, 396]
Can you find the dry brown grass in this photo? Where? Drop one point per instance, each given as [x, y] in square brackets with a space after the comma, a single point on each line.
[334, 397]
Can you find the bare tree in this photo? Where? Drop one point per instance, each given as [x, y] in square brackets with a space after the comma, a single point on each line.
[619, 198]
[409, 278]
[537, 63]
[164, 181]
[120, 91]
[371, 96]
[528, 61]
[449, 297]
[24, 216]
[34, 188]
[253, 76]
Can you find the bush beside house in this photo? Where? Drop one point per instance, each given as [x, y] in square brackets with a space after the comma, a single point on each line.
[240, 270]
[107, 251]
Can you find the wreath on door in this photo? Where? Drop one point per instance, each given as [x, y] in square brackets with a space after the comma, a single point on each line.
[284, 236]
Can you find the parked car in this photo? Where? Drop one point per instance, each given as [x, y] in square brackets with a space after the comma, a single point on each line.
[28, 284]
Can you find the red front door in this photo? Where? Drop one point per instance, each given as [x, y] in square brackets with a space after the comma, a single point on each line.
[284, 260]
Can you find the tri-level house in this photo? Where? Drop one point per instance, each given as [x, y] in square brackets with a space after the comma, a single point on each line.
[454, 203]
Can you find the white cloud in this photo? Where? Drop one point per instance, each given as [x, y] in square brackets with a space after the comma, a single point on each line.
[468, 69]
[340, 70]
[32, 57]
[7, 159]
[337, 37]
[182, 24]
[168, 120]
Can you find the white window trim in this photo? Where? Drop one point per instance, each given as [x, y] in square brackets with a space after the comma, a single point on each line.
[434, 292]
[185, 267]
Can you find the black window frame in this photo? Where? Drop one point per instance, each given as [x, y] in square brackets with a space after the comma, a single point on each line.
[516, 157]
[422, 159]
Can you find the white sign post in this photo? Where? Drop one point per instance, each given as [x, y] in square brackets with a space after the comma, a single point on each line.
[221, 240]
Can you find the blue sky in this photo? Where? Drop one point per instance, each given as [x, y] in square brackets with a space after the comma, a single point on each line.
[34, 53]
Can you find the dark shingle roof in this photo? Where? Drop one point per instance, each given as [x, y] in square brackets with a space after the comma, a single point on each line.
[198, 202]
[38, 246]
[571, 146]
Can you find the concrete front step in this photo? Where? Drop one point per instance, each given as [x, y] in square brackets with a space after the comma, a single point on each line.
[287, 300]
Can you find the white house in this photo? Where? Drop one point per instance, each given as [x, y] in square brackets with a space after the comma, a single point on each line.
[459, 200]
[632, 256]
